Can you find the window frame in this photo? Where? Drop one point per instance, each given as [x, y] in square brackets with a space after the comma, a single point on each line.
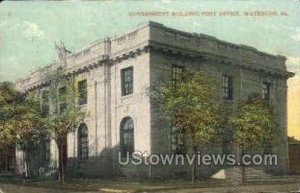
[127, 147]
[62, 99]
[178, 142]
[127, 85]
[227, 87]
[47, 148]
[11, 163]
[45, 106]
[266, 90]
[82, 94]
[83, 142]
[177, 74]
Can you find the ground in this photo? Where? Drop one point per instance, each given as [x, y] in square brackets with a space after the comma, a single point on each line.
[283, 185]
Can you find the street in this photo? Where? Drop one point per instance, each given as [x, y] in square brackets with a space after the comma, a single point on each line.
[274, 188]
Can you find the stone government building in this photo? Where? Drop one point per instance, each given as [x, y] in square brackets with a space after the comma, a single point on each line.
[116, 75]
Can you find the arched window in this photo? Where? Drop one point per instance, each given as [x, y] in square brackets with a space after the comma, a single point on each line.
[83, 143]
[47, 149]
[127, 136]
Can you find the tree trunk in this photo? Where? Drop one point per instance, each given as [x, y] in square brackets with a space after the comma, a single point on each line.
[61, 161]
[150, 172]
[62, 165]
[243, 167]
[28, 166]
[194, 152]
[26, 163]
[193, 172]
[62, 158]
[25, 172]
[240, 154]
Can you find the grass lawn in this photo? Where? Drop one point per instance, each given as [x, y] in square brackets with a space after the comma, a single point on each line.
[94, 185]
[121, 185]
[13, 188]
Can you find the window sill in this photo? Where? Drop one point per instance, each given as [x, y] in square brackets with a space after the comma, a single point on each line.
[82, 106]
[228, 99]
[83, 160]
[127, 96]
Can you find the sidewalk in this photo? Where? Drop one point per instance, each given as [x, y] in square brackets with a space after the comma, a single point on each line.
[284, 184]
[275, 188]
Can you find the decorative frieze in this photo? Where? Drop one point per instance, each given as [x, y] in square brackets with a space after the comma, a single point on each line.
[169, 41]
[121, 40]
[132, 35]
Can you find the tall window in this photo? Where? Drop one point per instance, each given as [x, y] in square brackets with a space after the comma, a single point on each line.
[127, 81]
[227, 87]
[177, 74]
[82, 90]
[177, 141]
[47, 151]
[45, 103]
[62, 99]
[127, 136]
[83, 146]
[11, 163]
[266, 91]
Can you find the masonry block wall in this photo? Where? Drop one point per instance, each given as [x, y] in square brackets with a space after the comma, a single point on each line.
[151, 50]
[294, 157]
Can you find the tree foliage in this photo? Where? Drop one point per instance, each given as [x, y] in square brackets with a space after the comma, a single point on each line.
[65, 114]
[20, 120]
[254, 124]
[7, 100]
[191, 107]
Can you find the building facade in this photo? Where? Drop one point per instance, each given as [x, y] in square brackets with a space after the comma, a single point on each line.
[7, 160]
[116, 76]
[294, 156]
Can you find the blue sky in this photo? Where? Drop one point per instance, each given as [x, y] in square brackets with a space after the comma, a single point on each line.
[28, 29]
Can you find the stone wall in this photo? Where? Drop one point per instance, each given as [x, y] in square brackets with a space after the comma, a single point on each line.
[246, 79]
[151, 50]
[294, 157]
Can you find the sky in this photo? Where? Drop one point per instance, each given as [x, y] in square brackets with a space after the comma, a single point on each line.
[28, 30]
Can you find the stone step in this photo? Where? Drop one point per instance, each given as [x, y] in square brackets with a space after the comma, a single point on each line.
[7, 173]
[235, 174]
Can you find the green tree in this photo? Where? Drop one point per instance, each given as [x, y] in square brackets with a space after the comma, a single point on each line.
[254, 126]
[8, 97]
[65, 115]
[20, 120]
[190, 106]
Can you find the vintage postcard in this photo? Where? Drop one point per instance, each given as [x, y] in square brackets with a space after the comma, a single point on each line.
[150, 96]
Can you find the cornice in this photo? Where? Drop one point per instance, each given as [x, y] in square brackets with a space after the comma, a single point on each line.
[73, 70]
[213, 39]
[176, 50]
[248, 65]
[172, 49]
[85, 66]
[130, 52]
[147, 46]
